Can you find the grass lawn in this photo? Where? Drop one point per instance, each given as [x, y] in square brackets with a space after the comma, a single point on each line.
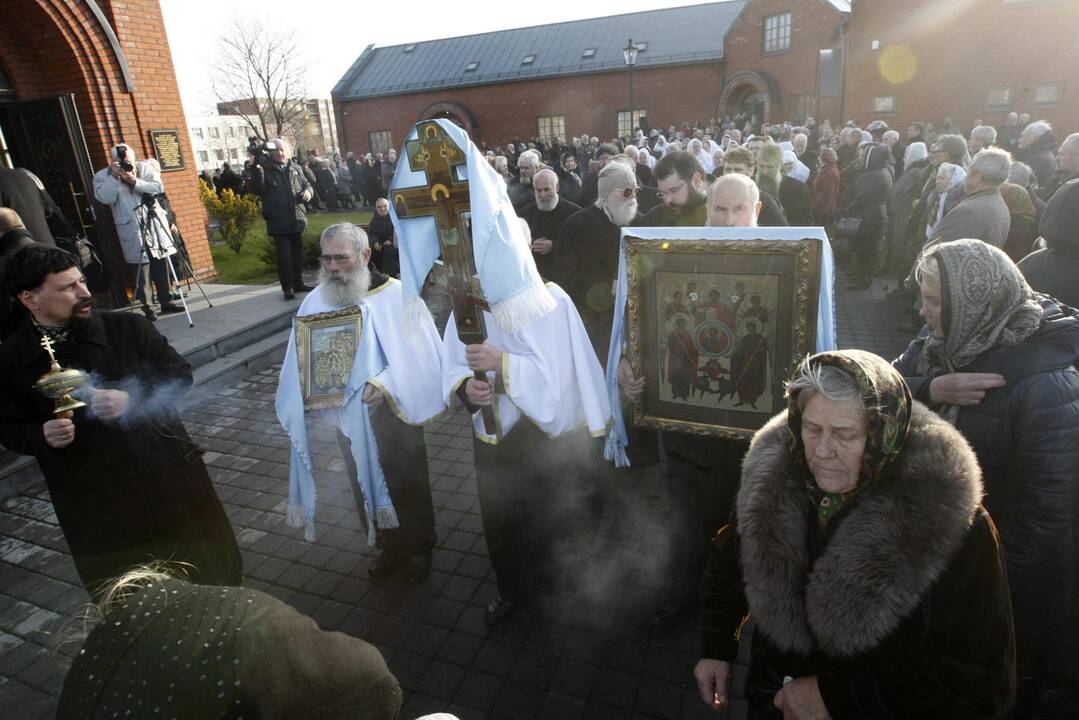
[247, 268]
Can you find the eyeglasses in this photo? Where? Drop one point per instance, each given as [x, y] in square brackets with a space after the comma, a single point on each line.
[329, 259]
[627, 193]
[672, 192]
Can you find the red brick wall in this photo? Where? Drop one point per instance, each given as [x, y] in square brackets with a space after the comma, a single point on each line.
[962, 49]
[814, 26]
[52, 47]
[506, 111]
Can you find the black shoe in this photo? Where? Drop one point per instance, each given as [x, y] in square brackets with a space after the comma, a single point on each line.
[175, 297]
[304, 288]
[289, 295]
[169, 308]
[149, 313]
[419, 567]
[386, 564]
[497, 610]
[665, 614]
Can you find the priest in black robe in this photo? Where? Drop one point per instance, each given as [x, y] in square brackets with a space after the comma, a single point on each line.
[545, 217]
[127, 482]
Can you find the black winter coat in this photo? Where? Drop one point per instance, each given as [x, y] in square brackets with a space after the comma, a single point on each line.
[281, 187]
[872, 193]
[1041, 157]
[899, 607]
[128, 491]
[1026, 437]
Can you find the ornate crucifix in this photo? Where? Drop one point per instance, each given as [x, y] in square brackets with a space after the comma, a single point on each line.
[447, 199]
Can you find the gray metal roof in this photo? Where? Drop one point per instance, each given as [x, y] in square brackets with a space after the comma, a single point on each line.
[673, 36]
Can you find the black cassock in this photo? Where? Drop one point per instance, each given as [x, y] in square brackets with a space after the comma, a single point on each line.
[128, 491]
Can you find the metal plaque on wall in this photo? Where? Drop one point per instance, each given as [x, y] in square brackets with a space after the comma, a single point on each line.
[167, 149]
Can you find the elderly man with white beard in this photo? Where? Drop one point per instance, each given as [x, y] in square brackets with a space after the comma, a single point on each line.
[398, 392]
[520, 189]
[545, 217]
[586, 251]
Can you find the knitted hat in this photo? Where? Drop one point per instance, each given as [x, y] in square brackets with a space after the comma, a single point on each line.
[614, 177]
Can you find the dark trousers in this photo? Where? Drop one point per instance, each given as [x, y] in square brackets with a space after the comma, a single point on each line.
[703, 476]
[158, 273]
[289, 260]
[403, 456]
[541, 503]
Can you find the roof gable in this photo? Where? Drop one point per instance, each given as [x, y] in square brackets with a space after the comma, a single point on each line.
[673, 36]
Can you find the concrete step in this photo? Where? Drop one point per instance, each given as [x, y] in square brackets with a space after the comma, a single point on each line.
[231, 368]
[228, 345]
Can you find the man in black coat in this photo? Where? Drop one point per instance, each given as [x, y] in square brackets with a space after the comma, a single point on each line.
[284, 190]
[586, 251]
[127, 482]
[679, 180]
[545, 217]
[21, 191]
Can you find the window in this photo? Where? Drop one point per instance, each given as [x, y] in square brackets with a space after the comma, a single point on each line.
[801, 107]
[409, 48]
[551, 127]
[884, 105]
[197, 132]
[214, 132]
[641, 46]
[379, 141]
[1047, 94]
[230, 131]
[999, 98]
[204, 157]
[589, 53]
[529, 59]
[627, 128]
[234, 153]
[220, 154]
[777, 33]
[471, 67]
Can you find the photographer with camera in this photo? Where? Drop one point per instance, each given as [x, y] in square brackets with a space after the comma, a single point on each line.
[284, 190]
[130, 188]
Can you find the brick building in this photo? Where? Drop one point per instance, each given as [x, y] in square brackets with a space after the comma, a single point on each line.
[80, 78]
[779, 59]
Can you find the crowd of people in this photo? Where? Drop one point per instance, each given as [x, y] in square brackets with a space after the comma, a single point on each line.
[901, 541]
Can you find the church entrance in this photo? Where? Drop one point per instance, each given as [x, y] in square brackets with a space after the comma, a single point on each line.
[45, 137]
[455, 112]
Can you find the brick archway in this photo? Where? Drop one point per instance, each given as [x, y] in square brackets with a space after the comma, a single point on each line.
[452, 111]
[743, 84]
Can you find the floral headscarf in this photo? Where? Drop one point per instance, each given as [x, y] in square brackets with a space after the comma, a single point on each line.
[887, 401]
[985, 301]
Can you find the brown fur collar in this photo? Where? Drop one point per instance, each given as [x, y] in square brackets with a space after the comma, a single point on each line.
[889, 548]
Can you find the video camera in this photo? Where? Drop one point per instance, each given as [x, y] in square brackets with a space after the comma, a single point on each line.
[258, 149]
[121, 158]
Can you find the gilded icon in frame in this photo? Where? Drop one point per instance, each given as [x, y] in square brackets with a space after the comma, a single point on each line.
[714, 326]
[326, 345]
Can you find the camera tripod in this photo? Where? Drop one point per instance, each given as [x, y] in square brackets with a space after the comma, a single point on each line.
[150, 224]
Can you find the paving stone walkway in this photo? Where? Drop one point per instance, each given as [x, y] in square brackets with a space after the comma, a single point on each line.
[593, 657]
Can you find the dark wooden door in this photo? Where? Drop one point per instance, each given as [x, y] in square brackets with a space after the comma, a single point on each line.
[45, 137]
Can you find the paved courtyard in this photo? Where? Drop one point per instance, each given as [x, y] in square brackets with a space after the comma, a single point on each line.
[593, 655]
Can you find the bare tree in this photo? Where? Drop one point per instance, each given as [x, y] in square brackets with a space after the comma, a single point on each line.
[261, 72]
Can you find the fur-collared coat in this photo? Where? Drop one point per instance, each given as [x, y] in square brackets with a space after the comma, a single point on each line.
[900, 607]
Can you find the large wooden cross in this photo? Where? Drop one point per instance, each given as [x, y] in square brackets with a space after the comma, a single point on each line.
[447, 199]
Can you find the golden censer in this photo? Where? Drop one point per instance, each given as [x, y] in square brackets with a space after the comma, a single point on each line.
[58, 383]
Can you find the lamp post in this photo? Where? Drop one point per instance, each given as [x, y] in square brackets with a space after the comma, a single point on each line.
[629, 52]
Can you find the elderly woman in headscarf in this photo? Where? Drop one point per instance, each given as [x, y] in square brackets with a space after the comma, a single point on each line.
[947, 193]
[904, 192]
[997, 361]
[873, 580]
[1052, 270]
[696, 149]
[872, 190]
[660, 147]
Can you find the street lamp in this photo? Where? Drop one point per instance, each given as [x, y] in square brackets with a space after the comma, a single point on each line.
[629, 52]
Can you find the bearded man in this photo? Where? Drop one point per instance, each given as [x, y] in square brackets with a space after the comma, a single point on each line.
[793, 194]
[545, 217]
[392, 398]
[680, 181]
[520, 188]
[127, 482]
[742, 161]
[586, 251]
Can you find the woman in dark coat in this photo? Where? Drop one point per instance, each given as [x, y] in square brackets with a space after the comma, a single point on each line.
[327, 185]
[1053, 271]
[873, 579]
[874, 188]
[998, 362]
[904, 193]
